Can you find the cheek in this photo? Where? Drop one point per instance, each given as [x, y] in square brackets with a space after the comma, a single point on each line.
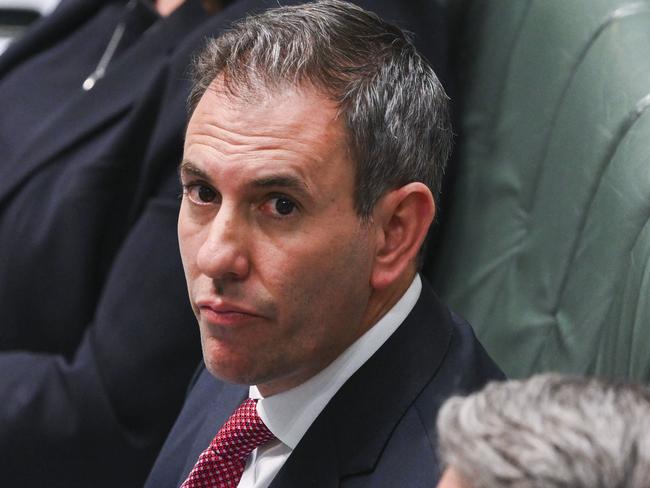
[183, 233]
[325, 280]
[189, 242]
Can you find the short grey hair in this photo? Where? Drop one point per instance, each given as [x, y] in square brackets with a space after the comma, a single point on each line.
[549, 431]
[394, 107]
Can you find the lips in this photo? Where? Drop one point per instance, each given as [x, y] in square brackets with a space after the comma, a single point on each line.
[226, 314]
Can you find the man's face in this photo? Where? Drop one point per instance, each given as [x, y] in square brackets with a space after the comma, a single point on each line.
[277, 261]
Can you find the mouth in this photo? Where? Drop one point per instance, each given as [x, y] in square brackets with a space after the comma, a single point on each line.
[225, 314]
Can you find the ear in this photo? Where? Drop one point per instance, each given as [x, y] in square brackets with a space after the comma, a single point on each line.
[402, 218]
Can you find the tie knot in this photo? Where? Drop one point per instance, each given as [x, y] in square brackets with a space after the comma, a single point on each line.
[243, 432]
[222, 463]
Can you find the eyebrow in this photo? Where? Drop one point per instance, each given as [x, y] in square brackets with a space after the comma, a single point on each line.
[189, 168]
[281, 181]
[273, 181]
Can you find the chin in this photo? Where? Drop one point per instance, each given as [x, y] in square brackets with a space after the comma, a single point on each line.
[230, 368]
[246, 367]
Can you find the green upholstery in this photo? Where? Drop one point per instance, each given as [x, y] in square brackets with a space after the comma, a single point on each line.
[546, 250]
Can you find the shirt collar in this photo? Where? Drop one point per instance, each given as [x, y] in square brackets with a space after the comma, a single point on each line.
[290, 413]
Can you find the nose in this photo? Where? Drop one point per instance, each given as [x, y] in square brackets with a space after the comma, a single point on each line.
[224, 254]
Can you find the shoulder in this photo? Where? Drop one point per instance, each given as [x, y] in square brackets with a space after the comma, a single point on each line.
[411, 451]
[465, 368]
[386, 412]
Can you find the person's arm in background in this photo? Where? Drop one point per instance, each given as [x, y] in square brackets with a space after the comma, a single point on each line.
[100, 419]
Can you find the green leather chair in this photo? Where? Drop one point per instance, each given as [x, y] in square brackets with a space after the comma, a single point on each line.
[546, 249]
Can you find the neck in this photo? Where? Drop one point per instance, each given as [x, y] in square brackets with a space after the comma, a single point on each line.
[381, 301]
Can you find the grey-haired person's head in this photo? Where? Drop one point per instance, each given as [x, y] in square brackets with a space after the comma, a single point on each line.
[393, 105]
[548, 431]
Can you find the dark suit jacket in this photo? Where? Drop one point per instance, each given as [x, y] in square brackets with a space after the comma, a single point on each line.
[98, 341]
[377, 431]
[97, 335]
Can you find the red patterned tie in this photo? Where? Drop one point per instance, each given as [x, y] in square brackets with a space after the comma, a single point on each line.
[221, 465]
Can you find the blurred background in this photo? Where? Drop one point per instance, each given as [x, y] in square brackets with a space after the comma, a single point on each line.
[16, 15]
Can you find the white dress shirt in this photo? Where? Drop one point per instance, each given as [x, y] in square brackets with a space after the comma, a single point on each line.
[289, 414]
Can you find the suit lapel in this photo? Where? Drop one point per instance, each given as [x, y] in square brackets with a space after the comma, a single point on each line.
[108, 100]
[223, 398]
[314, 461]
[352, 431]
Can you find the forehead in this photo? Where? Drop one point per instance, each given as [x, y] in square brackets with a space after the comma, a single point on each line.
[299, 120]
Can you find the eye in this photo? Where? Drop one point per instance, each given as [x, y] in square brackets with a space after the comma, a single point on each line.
[200, 194]
[284, 206]
[280, 206]
[205, 194]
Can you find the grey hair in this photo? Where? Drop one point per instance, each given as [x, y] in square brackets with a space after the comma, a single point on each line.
[394, 107]
[549, 431]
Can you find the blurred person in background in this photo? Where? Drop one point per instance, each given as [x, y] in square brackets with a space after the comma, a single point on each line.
[80, 94]
[97, 340]
[17, 15]
[548, 431]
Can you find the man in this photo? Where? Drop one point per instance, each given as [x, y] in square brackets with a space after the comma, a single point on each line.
[317, 138]
[96, 348]
[548, 431]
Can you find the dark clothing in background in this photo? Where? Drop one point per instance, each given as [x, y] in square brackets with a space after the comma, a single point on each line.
[41, 77]
[97, 339]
